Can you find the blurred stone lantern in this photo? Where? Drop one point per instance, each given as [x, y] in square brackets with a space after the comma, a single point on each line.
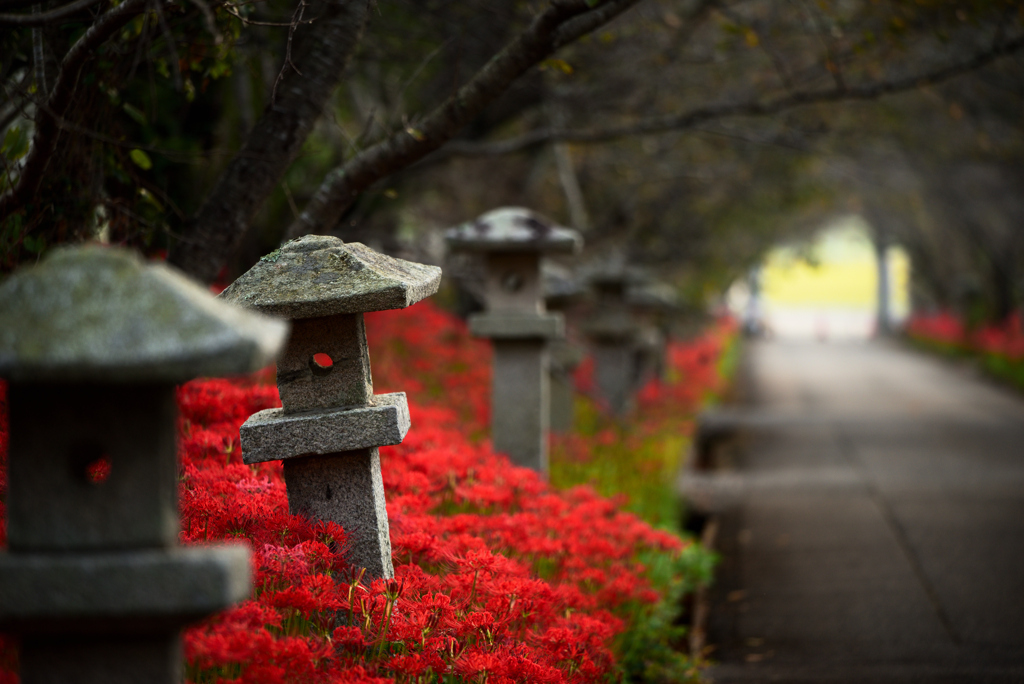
[652, 304]
[93, 342]
[562, 292]
[612, 332]
[513, 240]
[331, 423]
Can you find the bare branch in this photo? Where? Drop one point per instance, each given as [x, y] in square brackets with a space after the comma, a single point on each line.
[319, 61]
[252, 22]
[38, 60]
[288, 63]
[561, 22]
[599, 16]
[44, 18]
[211, 21]
[695, 117]
[171, 47]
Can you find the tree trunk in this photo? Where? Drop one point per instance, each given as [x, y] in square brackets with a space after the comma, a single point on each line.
[884, 321]
[1002, 282]
[319, 57]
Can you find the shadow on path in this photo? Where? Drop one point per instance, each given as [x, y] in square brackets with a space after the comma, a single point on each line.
[871, 522]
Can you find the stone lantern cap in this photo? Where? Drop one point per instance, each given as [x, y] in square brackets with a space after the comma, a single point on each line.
[513, 229]
[616, 275]
[102, 314]
[319, 275]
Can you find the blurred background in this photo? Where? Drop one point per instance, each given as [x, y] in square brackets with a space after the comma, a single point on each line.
[797, 145]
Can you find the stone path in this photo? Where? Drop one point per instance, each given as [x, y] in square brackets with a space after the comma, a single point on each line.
[876, 525]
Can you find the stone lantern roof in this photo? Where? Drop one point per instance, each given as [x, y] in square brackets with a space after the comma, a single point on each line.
[319, 275]
[102, 314]
[616, 275]
[513, 229]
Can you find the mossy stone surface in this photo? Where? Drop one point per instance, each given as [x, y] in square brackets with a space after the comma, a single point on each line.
[102, 314]
[319, 275]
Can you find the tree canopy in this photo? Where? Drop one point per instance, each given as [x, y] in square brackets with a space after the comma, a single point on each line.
[690, 133]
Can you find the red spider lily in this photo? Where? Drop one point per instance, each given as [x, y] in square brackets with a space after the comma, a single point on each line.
[498, 576]
[945, 329]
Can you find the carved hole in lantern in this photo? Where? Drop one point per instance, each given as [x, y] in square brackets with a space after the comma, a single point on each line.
[90, 463]
[511, 282]
[321, 364]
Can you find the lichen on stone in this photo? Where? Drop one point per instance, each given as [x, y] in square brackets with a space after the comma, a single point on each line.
[320, 275]
[102, 314]
[272, 257]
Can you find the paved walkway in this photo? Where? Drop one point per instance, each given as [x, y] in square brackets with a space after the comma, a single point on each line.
[876, 532]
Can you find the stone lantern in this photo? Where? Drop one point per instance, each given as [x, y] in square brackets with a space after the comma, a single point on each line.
[652, 304]
[561, 294]
[331, 423]
[513, 240]
[93, 342]
[612, 333]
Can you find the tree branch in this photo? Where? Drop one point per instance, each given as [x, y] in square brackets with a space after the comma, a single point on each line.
[695, 117]
[44, 18]
[561, 22]
[318, 62]
[580, 26]
[50, 113]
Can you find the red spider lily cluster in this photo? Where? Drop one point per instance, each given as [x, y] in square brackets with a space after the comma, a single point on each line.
[946, 330]
[999, 346]
[942, 328]
[498, 576]
[1004, 339]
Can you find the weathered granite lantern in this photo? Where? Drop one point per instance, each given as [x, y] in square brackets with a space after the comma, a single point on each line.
[612, 333]
[93, 341]
[561, 293]
[513, 240]
[331, 423]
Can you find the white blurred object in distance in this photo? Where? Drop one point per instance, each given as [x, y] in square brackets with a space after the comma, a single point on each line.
[821, 324]
[743, 301]
[826, 291]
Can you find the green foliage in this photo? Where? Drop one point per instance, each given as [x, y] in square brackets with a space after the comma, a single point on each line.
[728, 362]
[640, 469]
[652, 649]
[1004, 368]
[638, 458]
[141, 159]
[15, 144]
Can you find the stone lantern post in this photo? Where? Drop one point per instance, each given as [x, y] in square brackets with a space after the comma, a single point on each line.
[93, 342]
[612, 333]
[561, 293]
[652, 303]
[331, 423]
[513, 241]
